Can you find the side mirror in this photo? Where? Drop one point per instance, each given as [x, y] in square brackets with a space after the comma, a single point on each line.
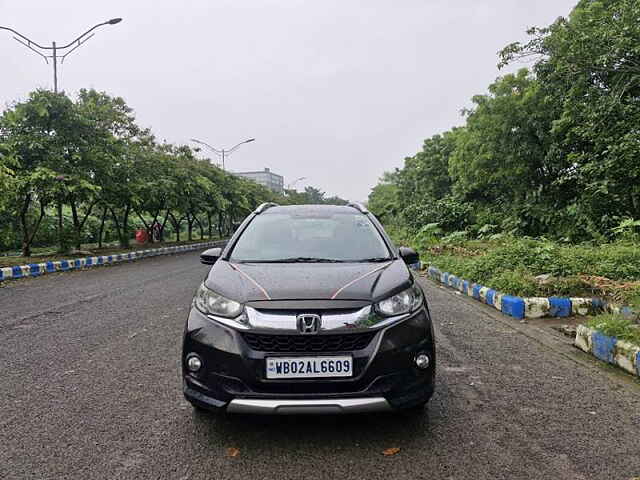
[409, 256]
[209, 257]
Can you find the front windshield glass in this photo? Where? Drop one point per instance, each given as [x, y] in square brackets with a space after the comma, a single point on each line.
[310, 236]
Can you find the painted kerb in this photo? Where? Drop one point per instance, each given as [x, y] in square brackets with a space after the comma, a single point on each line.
[608, 349]
[37, 269]
[523, 307]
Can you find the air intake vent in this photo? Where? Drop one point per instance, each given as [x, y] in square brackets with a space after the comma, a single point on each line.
[308, 343]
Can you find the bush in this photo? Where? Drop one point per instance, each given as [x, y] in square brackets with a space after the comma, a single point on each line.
[514, 283]
[511, 264]
[449, 213]
[455, 238]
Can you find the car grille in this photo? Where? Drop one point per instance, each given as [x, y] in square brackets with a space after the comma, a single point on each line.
[308, 343]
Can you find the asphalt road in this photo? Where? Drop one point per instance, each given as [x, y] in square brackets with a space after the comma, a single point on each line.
[90, 389]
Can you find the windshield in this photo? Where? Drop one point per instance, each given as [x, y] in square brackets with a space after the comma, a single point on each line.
[309, 237]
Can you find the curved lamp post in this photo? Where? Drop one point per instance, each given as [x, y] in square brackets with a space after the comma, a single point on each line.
[60, 52]
[293, 184]
[223, 153]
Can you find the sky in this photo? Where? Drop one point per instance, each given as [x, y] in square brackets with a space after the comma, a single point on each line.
[337, 91]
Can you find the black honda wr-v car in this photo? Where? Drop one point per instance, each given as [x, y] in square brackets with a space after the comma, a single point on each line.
[309, 309]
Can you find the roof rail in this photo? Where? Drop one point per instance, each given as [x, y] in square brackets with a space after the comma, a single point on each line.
[358, 206]
[264, 206]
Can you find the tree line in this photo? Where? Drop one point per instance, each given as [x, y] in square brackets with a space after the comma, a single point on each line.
[553, 150]
[72, 170]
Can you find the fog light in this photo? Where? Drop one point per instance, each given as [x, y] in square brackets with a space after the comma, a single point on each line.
[422, 361]
[193, 362]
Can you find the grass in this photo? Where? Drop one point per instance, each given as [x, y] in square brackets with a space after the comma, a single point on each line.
[530, 267]
[110, 249]
[511, 265]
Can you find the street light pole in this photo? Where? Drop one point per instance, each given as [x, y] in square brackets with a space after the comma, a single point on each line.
[293, 184]
[55, 49]
[221, 152]
[55, 68]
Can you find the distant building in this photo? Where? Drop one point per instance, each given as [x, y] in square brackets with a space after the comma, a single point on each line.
[265, 177]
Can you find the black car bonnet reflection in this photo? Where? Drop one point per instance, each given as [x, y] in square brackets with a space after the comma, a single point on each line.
[280, 281]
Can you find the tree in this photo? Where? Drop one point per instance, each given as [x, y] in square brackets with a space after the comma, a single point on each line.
[383, 199]
[589, 65]
[38, 137]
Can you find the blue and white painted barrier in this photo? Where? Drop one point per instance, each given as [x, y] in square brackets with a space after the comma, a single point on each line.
[525, 307]
[609, 349]
[37, 269]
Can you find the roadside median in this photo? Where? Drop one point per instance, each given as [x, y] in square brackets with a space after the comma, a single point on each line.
[66, 265]
[592, 338]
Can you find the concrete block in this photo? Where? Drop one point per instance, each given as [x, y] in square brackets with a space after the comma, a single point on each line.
[603, 346]
[626, 311]
[482, 293]
[490, 296]
[475, 292]
[497, 301]
[513, 306]
[597, 305]
[559, 307]
[433, 272]
[584, 338]
[626, 355]
[581, 306]
[536, 307]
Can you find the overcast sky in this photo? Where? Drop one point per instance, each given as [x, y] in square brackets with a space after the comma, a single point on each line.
[334, 90]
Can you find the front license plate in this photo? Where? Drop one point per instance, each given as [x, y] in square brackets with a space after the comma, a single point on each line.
[309, 367]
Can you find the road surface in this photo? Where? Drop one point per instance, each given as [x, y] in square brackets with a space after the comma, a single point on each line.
[90, 389]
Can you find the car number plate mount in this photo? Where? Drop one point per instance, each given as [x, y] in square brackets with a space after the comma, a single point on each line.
[309, 367]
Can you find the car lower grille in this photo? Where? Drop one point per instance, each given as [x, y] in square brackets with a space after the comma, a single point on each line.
[308, 343]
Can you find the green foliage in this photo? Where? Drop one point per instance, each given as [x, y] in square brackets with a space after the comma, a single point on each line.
[512, 282]
[428, 235]
[455, 238]
[511, 264]
[550, 152]
[82, 170]
[628, 229]
[383, 199]
[311, 196]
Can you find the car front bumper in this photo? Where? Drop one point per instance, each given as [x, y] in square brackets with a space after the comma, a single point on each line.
[384, 373]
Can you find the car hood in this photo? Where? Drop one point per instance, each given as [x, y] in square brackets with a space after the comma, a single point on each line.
[248, 282]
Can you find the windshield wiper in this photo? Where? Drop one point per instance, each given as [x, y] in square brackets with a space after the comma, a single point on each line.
[297, 260]
[372, 260]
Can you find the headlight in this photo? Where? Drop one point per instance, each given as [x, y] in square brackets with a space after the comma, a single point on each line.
[403, 302]
[209, 302]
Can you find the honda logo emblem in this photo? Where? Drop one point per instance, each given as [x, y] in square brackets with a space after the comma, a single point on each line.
[308, 323]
